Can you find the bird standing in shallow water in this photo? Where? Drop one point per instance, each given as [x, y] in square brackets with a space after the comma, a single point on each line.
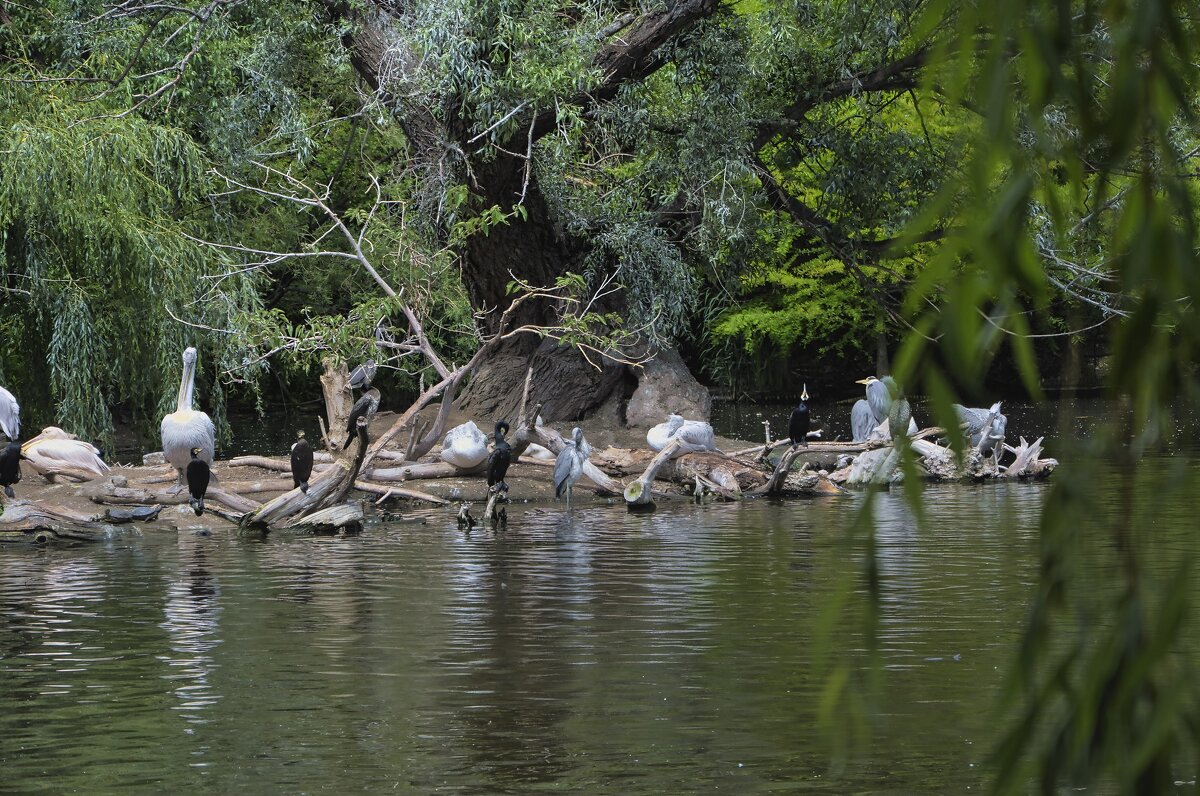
[569, 465]
[186, 428]
[799, 423]
[198, 475]
[302, 462]
[10, 467]
[500, 458]
[10, 415]
[366, 406]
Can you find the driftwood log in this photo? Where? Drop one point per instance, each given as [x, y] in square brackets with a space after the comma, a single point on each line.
[108, 492]
[327, 489]
[30, 522]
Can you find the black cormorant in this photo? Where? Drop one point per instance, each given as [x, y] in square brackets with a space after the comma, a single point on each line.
[198, 475]
[302, 462]
[500, 457]
[799, 423]
[10, 467]
[366, 406]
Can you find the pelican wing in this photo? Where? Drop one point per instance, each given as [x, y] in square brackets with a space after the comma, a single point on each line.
[697, 436]
[52, 455]
[10, 415]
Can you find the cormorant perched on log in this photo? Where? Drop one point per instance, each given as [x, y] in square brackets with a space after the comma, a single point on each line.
[360, 377]
[198, 475]
[10, 415]
[500, 457]
[569, 465]
[302, 462]
[799, 423]
[10, 467]
[366, 406]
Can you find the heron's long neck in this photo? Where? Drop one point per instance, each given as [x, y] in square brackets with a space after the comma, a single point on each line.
[185, 387]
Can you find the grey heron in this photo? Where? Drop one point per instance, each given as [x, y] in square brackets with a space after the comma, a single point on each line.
[500, 457]
[198, 476]
[366, 406]
[10, 415]
[861, 420]
[880, 395]
[799, 422]
[302, 462]
[569, 464]
[983, 428]
[187, 428]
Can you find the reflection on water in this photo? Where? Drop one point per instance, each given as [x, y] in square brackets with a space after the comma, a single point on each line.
[596, 652]
[192, 613]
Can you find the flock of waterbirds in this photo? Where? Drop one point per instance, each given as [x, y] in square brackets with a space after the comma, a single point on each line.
[188, 437]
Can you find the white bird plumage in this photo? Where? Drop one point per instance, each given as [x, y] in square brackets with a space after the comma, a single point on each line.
[54, 450]
[695, 435]
[10, 415]
[658, 436]
[187, 428]
[464, 446]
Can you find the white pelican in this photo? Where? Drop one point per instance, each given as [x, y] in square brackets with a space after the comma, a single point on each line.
[465, 446]
[658, 436]
[10, 415]
[695, 435]
[54, 451]
[569, 465]
[187, 428]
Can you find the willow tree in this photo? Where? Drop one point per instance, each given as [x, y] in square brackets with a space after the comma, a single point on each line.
[101, 278]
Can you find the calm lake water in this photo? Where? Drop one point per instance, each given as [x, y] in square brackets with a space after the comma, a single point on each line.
[597, 652]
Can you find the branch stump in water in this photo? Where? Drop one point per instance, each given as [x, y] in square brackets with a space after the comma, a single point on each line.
[335, 384]
[637, 493]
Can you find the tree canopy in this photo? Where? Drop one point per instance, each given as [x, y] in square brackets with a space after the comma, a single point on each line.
[758, 176]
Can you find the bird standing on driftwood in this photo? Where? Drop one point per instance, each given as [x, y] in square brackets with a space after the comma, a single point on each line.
[186, 428]
[10, 468]
[198, 475]
[302, 462]
[366, 406]
[360, 377]
[500, 458]
[569, 464]
[799, 422]
[10, 415]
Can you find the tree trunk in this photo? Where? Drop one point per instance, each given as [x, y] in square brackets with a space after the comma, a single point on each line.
[531, 246]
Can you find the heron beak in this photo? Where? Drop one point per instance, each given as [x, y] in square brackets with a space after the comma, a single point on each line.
[863, 381]
[804, 393]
